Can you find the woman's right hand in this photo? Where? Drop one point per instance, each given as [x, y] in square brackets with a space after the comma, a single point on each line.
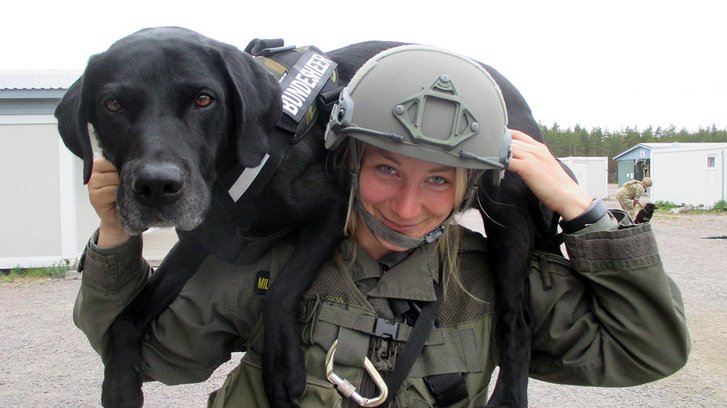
[102, 188]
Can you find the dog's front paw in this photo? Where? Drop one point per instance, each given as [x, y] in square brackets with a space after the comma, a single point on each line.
[283, 366]
[121, 386]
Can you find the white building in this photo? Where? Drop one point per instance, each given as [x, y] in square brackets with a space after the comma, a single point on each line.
[683, 173]
[591, 173]
[44, 210]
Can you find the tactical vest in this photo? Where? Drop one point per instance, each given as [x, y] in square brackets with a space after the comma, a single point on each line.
[459, 347]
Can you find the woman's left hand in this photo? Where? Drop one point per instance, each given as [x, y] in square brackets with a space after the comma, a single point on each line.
[537, 166]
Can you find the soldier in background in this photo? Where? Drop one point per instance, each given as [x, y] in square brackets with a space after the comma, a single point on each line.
[630, 193]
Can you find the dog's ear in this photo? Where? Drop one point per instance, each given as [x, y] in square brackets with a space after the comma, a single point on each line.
[72, 115]
[257, 104]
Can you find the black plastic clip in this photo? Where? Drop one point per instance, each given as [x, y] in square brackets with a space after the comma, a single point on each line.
[386, 328]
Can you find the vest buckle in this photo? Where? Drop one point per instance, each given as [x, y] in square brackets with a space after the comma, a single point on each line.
[346, 389]
[386, 329]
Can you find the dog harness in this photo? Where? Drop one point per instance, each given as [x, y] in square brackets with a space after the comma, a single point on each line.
[308, 81]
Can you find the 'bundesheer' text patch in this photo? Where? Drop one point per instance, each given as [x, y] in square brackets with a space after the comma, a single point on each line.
[304, 81]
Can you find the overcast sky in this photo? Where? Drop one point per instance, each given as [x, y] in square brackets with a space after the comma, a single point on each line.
[608, 64]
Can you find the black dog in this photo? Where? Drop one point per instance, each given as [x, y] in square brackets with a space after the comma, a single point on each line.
[645, 213]
[176, 113]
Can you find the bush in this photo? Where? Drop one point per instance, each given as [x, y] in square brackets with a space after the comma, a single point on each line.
[720, 205]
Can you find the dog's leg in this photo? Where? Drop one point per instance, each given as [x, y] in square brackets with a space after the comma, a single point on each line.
[513, 322]
[283, 364]
[511, 238]
[124, 364]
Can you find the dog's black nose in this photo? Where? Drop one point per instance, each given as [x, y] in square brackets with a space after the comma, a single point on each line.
[158, 182]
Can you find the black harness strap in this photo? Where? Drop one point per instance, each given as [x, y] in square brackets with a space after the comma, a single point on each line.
[446, 388]
[419, 334]
[244, 183]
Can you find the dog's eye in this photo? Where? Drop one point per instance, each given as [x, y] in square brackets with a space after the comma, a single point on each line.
[203, 101]
[113, 105]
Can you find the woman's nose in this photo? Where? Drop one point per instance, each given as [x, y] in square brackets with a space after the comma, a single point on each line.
[406, 204]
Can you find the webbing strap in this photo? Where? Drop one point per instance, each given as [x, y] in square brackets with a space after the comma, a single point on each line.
[447, 388]
[405, 361]
[362, 323]
[246, 183]
[245, 180]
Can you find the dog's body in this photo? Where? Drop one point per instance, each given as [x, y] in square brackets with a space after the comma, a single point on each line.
[645, 213]
[174, 111]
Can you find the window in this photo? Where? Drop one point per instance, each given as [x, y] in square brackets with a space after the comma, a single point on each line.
[711, 162]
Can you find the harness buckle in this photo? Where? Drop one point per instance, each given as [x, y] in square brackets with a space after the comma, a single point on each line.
[386, 328]
[346, 389]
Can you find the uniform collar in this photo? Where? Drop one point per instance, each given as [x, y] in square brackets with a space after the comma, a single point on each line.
[411, 278]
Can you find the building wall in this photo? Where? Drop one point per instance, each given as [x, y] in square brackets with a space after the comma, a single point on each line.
[29, 178]
[625, 171]
[682, 177]
[591, 173]
[44, 213]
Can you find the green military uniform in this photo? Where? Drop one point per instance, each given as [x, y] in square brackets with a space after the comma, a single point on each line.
[607, 317]
[630, 191]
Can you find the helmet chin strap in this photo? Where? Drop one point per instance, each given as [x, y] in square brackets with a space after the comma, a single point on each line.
[387, 234]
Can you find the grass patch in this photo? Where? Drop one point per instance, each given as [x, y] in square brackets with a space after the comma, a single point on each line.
[53, 272]
[718, 208]
[665, 205]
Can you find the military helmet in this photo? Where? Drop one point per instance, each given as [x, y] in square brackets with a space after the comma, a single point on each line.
[647, 181]
[426, 103]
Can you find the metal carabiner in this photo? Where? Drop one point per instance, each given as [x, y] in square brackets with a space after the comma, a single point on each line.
[347, 389]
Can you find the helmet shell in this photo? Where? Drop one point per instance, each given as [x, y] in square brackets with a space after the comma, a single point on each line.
[427, 103]
[647, 181]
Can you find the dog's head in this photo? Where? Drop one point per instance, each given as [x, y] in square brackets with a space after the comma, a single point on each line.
[167, 106]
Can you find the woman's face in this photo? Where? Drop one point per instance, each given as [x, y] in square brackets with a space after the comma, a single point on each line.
[409, 196]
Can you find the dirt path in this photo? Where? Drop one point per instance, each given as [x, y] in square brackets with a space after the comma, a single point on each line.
[46, 362]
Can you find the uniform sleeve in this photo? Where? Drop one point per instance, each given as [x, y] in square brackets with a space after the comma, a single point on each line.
[111, 279]
[608, 317]
[211, 317]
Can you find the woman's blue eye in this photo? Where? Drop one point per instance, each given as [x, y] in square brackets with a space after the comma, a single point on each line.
[438, 180]
[385, 168]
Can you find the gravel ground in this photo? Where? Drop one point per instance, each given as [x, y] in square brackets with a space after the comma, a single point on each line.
[46, 362]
